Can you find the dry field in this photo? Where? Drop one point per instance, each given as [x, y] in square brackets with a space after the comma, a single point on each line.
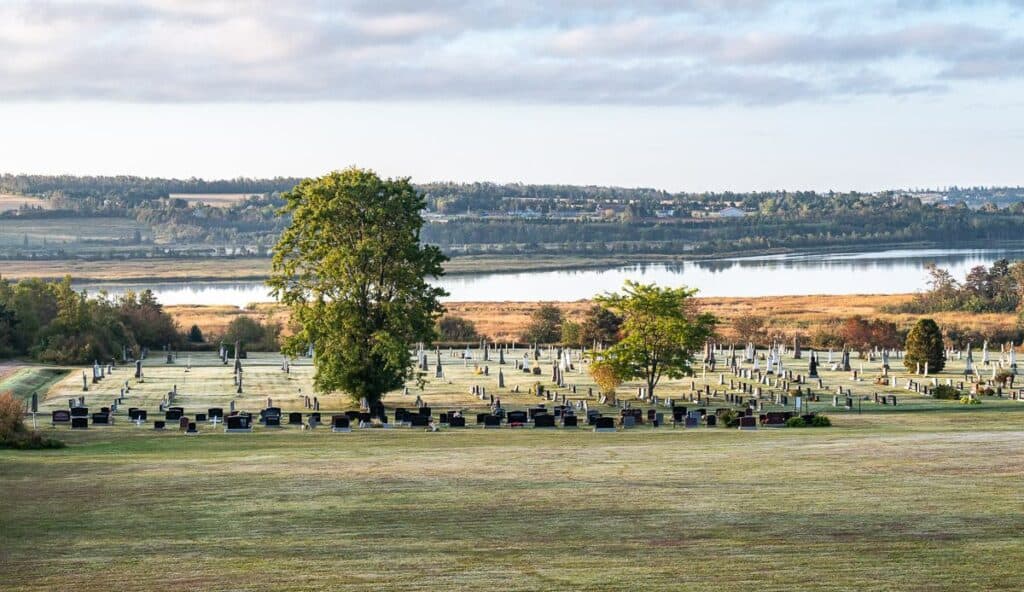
[505, 321]
[138, 270]
[13, 202]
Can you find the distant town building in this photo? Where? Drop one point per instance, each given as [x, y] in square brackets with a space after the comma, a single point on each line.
[731, 212]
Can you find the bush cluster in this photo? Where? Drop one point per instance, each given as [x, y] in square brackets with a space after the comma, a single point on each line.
[14, 433]
[944, 391]
[818, 421]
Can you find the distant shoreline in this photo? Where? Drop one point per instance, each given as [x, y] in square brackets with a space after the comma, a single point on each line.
[247, 269]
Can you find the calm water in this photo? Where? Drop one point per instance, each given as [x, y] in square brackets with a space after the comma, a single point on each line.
[882, 272]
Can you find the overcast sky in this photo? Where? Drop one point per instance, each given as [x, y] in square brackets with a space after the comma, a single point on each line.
[675, 94]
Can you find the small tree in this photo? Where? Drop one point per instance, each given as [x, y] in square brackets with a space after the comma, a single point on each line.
[254, 335]
[605, 377]
[456, 328]
[545, 325]
[749, 328]
[571, 334]
[195, 334]
[600, 325]
[662, 331]
[925, 345]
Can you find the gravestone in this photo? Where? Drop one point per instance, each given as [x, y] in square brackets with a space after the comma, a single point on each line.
[604, 424]
[517, 418]
[544, 421]
[237, 424]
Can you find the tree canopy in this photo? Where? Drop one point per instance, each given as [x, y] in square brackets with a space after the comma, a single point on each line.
[352, 268]
[661, 331]
[52, 322]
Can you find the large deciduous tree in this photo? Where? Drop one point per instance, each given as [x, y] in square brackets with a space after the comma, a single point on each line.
[662, 330]
[353, 271]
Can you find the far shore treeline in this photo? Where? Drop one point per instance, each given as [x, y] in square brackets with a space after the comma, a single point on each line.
[132, 217]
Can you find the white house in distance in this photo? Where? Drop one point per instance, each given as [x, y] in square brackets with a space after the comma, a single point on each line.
[731, 212]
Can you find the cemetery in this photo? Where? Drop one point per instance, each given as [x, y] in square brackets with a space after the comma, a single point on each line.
[216, 457]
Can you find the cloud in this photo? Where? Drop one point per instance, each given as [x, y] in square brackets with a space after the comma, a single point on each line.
[660, 52]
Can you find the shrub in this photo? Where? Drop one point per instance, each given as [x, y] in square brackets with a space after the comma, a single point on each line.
[195, 334]
[729, 419]
[796, 422]
[821, 421]
[11, 413]
[33, 441]
[944, 391]
[13, 433]
[969, 400]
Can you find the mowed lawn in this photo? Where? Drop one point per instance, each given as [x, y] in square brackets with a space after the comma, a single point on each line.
[926, 495]
[883, 501]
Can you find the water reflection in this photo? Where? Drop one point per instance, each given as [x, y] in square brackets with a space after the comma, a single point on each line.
[882, 272]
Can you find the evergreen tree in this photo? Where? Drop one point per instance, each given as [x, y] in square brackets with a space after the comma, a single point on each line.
[925, 345]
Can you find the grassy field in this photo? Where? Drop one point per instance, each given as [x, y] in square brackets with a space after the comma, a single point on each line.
[14, 202]
[25, 380]
[921, 496]
[60, 231]
[784, 315]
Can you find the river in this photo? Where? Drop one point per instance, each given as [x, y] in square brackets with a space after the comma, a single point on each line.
[880, 272]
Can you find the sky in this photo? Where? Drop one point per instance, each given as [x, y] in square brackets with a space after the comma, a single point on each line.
[690, 95]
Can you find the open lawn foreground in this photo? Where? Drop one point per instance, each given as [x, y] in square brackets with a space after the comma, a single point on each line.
[926, 495]
[867, 505]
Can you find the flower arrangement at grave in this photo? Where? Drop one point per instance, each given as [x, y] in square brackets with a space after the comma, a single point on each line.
[982, 389]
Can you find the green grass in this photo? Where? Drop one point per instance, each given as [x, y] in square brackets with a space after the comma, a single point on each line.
[25, 381]
[67, 231]
[923, 496]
